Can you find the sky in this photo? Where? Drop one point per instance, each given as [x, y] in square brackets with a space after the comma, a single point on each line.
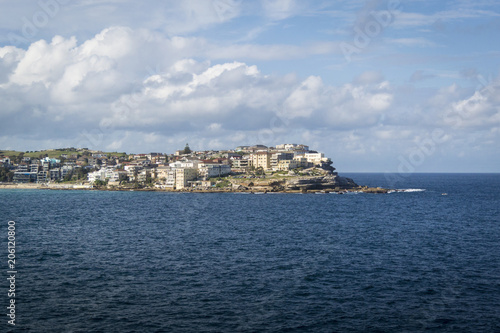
[378, 86]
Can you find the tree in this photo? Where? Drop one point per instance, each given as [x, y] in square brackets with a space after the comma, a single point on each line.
[68, 176]
[259, 171]
[6, 175]
[99, 183]
[149, 179]
[186, 150]
[19, 158]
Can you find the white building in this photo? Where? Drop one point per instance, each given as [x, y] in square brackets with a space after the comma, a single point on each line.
[208, 170]
[185, 164]
[106, 173]
[178, 178]
[316, 158]
[292, 146]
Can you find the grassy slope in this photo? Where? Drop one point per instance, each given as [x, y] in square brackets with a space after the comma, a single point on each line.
[50, 153]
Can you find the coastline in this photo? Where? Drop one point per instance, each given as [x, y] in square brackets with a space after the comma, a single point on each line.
[256, 190]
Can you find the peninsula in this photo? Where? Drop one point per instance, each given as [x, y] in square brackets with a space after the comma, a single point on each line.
[290, 168]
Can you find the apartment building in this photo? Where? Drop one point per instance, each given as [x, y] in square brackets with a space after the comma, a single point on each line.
[277, 157]
[208, 170]
[261, 159]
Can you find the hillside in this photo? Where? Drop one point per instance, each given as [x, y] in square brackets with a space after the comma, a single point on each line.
[54, 153]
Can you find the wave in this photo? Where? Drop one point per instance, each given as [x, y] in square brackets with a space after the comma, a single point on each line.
[408, 190]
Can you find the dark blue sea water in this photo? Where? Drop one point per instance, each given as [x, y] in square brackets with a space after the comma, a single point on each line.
[92, 261]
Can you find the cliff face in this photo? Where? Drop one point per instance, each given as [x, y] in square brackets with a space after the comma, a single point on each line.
[320, 183]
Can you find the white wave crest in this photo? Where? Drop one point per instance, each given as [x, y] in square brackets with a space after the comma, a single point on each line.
[408, 190]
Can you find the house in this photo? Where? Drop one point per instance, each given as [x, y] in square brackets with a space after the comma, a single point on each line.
[241, 148]
[5, 160]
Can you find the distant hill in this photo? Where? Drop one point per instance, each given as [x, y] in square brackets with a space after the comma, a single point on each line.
[55, 153]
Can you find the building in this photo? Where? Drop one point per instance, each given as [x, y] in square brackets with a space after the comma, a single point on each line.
[178, 178]
[107, 173]
[242, 148]
[239, 163]
[277, 157]
[5, 160]
[286, 165]
[42, 176]
[66, 170]
[291, 147]
[302, 162]
[183, 176]
[208, 170]
[170, 178]
[55, 174]
[24, 177]
[261, 159]
[162, 172]
[316, 158]
[185, 163]
[34, 168]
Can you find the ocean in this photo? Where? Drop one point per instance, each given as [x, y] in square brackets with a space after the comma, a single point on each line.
[412, 261]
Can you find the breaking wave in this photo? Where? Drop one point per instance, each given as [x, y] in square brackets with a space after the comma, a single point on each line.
[408, 190]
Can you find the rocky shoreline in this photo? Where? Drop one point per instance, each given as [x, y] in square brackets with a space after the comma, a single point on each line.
[311, 184]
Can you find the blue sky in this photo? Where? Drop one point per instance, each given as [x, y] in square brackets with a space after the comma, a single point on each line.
[401, 86]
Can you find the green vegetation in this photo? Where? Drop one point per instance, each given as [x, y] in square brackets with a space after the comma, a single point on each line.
[187, 150]
[54, 153]
[6, 175]
[224, 183]
[260, 171]
[99, 183]
[76, 174]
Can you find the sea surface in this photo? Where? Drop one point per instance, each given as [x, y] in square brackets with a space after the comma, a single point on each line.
[413, 261]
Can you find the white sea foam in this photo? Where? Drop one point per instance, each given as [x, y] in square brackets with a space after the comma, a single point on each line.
[408, 190]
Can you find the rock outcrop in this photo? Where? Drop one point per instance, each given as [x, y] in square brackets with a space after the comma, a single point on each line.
[320, 183]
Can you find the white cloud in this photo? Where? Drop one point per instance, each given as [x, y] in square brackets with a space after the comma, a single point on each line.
[280, 9]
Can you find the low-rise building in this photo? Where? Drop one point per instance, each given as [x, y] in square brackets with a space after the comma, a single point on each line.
[107, 173]
[66, 170]
[55, 174]
[185, 163]
[292, 146]
[208, 170]
[302, 162]
[316, 158]
[239, 163]
[42, 176]
[286, 165]
[277, 157]
[34, 168]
